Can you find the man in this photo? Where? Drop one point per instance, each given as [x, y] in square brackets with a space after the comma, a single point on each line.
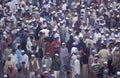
[25, 58]
[13, 57]
[19, 57]
[33, 65]
[63, 54]
[64, 58]
[7, 52]
[56, 64]
[56, 45]
[77, 67]
[84, 61]
[47, 60]
[103, 54]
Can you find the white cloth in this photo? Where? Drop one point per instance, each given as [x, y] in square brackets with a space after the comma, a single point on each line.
[29, 45]
[46, 31]
[57, 74]
[74, 50]
[77, 67]
[13, 58]
[25, 59]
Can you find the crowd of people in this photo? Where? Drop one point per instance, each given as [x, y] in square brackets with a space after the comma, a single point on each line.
[60, 38]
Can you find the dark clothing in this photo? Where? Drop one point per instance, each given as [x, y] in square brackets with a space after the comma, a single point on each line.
[69, 44]
[84, 59]
[56, 64]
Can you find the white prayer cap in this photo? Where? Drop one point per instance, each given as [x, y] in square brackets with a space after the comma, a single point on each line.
[116, 36]
[63, 43]
[45, 72]
[96, 55]
[53, 75]
[56, 54]
[93, 51]
[112, 29]
[74, 43]
[78, 3]
[107, 35]
[118, 73]
[54, 29]
[5, 76]
[95, 58]
[76, 13]
[32, 55]
[105, 62]
[44, 65]
[22, 51]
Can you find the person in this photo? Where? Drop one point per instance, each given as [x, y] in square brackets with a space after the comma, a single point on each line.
[19, 57]
[64, 58]
[84, 61]
[13, 57]
[105, 70]
[95, 68]
[77, 67]
[33, 65]
[7, 52]
[56, 45]
[103, 54]
[10, 68]
[56, 64]
[47, 60]
[25, 59]
[49, 47]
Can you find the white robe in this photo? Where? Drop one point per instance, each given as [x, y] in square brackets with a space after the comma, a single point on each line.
[25, 59]
[77, 67]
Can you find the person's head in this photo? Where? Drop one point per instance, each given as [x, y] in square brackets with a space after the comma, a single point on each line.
[56, 39]
[63, 45]
[18, 47]
[32, 56]
[13, 51]
[23, 52]
[56, 55]
[47, 54]
[105, 64]
[8, 58]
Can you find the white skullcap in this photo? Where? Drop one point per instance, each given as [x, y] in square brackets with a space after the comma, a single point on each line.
[5, 76]
[63, 43]
[32, 55]
[22, 51]
[54, 29]
[56, 54]
[118, 73]
[76, 13]
[44, 65]
[105, 62]
[45, 72]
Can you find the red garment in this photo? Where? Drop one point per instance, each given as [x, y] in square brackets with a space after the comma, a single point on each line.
[49, 49]
[11, 72]
[56, 46]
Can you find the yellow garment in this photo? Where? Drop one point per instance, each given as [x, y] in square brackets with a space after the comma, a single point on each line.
[104, 53]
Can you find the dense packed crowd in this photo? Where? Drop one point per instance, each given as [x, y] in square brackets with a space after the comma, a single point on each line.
[60, 38]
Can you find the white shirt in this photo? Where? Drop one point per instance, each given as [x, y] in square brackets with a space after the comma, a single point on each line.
[25, 59]
[29, 45]
[13, 58]
[77, 66]
[46, 31]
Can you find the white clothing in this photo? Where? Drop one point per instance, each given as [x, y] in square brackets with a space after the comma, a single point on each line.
[13, 58]
[77, 67]
[25, 59]
[74, 50]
